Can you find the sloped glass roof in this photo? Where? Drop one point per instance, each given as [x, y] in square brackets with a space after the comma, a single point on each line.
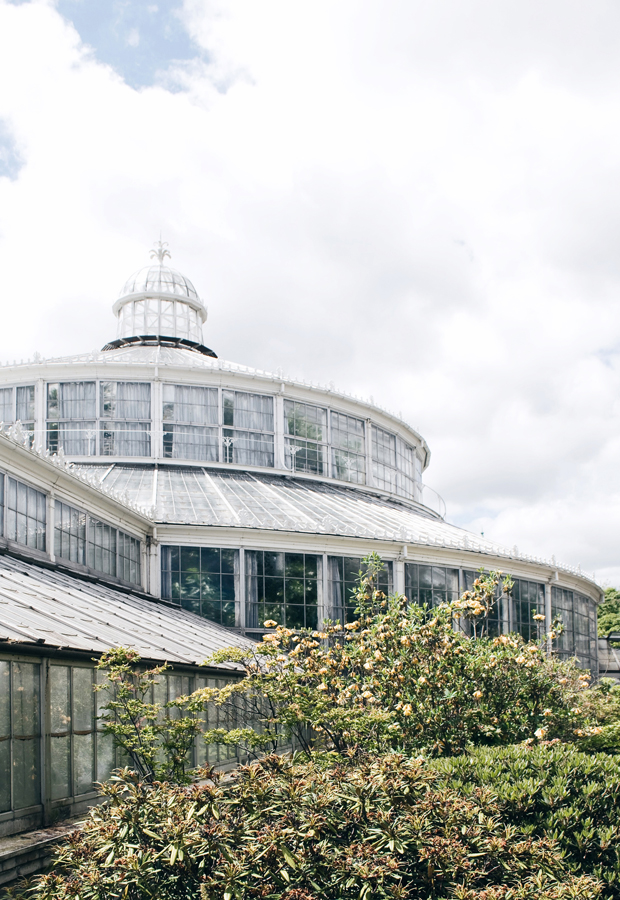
[197, 496]
[40, 606]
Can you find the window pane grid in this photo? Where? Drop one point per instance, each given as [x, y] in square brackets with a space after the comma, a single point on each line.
[201, 580]
[343, 578]
[348, 448]
[25, 515]
[305, 429]
[431, 586]
[81, 539]
[282, 587]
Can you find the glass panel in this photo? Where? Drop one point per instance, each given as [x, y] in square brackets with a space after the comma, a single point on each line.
[348, 448]
[5, 736]
[83, 700]
[343, 576]
[253, 412]
[5, 774]
[101, 547]
[70, 533]
[192, 405]
[247, 448]
[25, 403]
[5, 699]
[60, 765]
[25, 700]
[25, 515]
[125, 400]
[60, 699]
[83, 763]
[125, 439]
[105, 756]
[6, 405]
[305, 428]
[26, 786]
[202, 579]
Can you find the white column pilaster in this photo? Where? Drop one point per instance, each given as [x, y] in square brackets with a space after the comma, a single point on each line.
[39, 414]
[279, 431]
[241, 593]
[368, 432]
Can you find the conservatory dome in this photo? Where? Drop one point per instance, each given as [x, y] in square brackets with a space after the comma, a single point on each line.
[159, 279]
[160, 305]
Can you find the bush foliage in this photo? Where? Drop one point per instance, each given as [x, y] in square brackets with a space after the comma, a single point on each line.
[401, 678]
[329, 829]
[432, 767]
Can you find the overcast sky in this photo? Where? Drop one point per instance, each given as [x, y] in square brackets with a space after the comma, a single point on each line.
[418, 201]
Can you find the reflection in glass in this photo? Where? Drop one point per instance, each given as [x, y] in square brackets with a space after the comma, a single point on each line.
[202, 580]
[283, 587]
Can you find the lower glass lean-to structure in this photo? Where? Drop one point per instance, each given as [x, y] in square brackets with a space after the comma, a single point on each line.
[155, 496]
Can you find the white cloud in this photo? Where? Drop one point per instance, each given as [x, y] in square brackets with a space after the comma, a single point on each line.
[417, 201]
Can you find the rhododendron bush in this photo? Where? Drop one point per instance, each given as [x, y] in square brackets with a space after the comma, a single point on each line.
[401, 677]
[393, 757]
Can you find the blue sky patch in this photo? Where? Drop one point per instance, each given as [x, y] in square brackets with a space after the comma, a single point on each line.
[138, 38]
[10, 158]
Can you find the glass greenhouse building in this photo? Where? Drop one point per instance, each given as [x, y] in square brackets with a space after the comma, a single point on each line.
[155, 496]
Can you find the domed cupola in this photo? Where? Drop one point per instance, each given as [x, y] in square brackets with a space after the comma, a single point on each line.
[158, 305]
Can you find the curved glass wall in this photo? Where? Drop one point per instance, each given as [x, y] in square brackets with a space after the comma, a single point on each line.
[112, 421]
[578, 616]
[216, 425]
[154, 316]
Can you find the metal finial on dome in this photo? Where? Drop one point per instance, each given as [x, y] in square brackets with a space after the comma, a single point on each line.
[160, 252]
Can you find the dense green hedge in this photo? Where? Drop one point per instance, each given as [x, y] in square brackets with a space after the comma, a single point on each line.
[509, 824]
[553, 791]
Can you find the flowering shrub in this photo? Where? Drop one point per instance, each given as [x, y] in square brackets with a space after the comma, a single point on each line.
[330, 829]
[155, 738]
[400, 678]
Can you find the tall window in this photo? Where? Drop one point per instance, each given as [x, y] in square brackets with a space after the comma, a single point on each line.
[431, 585]
[343, 577]
[71, 417]
[406, 484]
[101, 547]
[70, 533]
[528, 599]
[579, 619]
[80, 538]
[383, 459]
[7, 413]
[348, 448]
[25, 514]
[17, 404]
[282, 587]
[125, 429]
[305, 437]
[202, 580]
[190, 416]
[248, 428]
[19, 735]
[72, 727]
[128, 567]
